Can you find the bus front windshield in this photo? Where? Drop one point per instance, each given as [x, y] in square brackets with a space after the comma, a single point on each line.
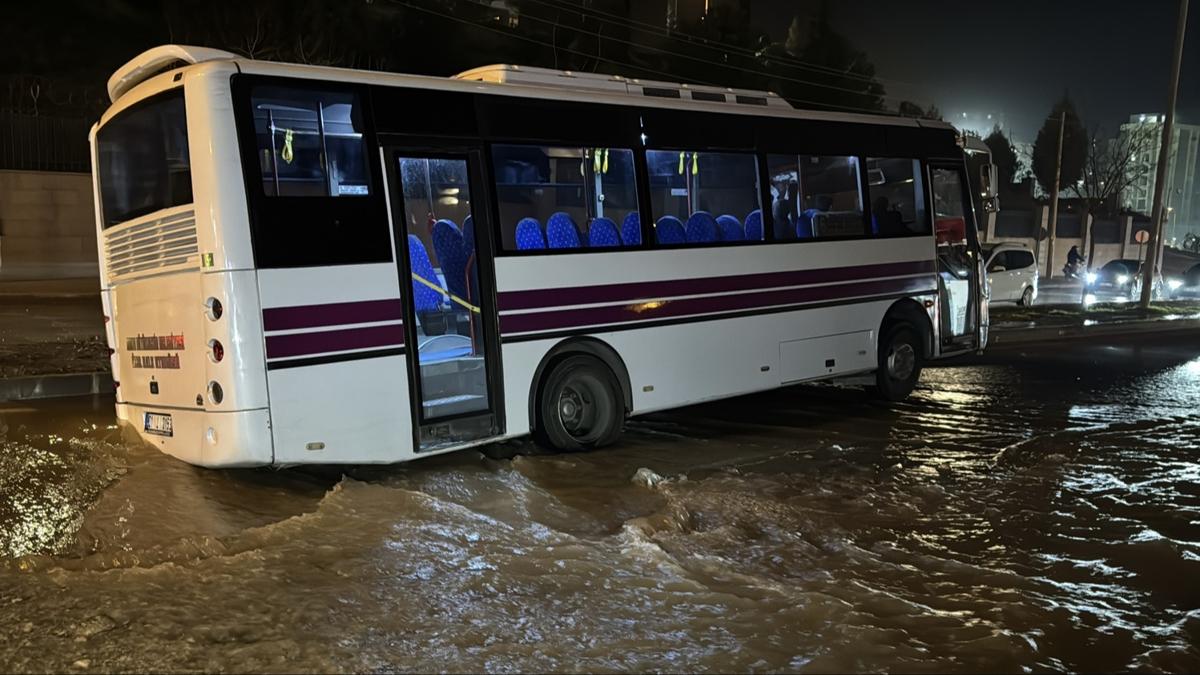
[142, 159]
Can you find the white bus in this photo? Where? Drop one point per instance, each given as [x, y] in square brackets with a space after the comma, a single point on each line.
[316, 265]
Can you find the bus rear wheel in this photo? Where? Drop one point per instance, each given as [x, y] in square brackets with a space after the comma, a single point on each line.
[579, 407]
[900, 356]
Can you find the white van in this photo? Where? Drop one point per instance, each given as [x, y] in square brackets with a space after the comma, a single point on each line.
[1012, 273]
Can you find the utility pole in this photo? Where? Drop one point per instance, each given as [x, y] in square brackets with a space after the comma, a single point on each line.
[1160, 177]
[1062, 122]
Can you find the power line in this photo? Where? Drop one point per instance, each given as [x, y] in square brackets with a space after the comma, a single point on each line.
[617, 19]
[636, 67]
[728, 66]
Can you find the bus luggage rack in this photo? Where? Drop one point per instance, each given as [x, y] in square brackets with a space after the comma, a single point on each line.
[151, 246]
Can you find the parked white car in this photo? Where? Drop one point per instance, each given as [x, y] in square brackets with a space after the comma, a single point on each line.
[1012, 273]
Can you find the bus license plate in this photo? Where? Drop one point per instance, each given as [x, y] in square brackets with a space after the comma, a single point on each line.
[160, 424]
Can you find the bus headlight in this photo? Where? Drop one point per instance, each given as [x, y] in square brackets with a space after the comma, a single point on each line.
[1174, 284]
[1091, 278]
[1122, 278]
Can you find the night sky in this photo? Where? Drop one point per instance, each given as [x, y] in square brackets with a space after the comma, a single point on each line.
[1014, 58]
[1011, 59]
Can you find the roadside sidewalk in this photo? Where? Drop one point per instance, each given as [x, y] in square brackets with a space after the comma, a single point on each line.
[18, 290]
[51, 338]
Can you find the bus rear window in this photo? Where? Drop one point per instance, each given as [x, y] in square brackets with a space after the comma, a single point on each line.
[143, 161]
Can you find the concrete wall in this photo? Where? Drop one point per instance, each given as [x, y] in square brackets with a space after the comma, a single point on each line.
[1062, 244]
[46, 219]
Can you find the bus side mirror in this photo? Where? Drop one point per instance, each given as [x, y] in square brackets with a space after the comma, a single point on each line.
[988, 180]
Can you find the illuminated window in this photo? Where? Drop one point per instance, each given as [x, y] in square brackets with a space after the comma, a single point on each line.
[815, 197]
[564, 191]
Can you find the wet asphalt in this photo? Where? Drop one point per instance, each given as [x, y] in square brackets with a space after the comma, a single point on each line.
[1033, 508]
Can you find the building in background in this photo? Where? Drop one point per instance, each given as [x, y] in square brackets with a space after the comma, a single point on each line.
[1182, 194]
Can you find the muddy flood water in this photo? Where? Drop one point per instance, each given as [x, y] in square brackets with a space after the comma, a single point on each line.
[1028, 511]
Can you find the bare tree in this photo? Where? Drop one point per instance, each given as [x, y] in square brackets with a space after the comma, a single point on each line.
[1109, 168]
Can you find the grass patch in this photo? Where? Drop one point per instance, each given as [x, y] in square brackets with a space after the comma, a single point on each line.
[1111, 311]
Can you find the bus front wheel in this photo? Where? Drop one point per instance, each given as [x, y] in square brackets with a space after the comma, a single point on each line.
[900, 356]
[579, 407]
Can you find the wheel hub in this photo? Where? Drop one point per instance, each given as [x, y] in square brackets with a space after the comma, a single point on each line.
[901, 362]
[570, 409]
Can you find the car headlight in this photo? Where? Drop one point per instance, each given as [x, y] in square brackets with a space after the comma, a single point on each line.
[1174, 284]
[1091, 277]
[1122, 278]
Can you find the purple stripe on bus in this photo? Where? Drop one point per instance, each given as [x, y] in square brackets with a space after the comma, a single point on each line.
[332, 314]
[580, 295]
[642, 311]
[305, 344]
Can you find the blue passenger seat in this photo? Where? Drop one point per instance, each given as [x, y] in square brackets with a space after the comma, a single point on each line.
[754, 225]
[804, 224]
[425, 299]
[529, 235]
[701, 228]
[729, 228]
[562, 232]
[669, 230]
[631, 230]
[468, 233]
[603, 234]
[452, 255]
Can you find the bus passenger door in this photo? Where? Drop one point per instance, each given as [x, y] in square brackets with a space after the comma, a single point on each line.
[441, 229]
[962, 308]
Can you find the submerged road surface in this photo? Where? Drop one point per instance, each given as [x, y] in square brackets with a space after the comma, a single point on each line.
[1025, 510]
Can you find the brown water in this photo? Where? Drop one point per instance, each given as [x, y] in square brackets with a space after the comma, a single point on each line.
[1023, 513]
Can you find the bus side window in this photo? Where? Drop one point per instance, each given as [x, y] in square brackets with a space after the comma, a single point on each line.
[897, 197]
[565, 197]
[699, 197]
[310, 143]
[815, 197]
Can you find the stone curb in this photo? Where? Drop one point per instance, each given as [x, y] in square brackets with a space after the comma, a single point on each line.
[55, 386]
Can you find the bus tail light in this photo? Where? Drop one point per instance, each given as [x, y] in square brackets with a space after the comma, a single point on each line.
[214, 309]
[215, 393]
[217, 350]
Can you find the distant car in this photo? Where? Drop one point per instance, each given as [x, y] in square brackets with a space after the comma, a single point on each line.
[1012, 273]
[1119, 281]
[1186, 287]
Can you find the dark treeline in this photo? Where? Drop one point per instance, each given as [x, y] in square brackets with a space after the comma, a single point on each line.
[58, 55]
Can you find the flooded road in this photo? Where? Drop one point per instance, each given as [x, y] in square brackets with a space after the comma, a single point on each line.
[1026, 511]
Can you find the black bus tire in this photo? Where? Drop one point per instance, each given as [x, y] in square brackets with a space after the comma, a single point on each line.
[900, 357]
[579, 406]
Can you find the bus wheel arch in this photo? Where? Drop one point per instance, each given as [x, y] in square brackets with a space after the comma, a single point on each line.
[597, 350]
[905, 341]
[908, 310]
